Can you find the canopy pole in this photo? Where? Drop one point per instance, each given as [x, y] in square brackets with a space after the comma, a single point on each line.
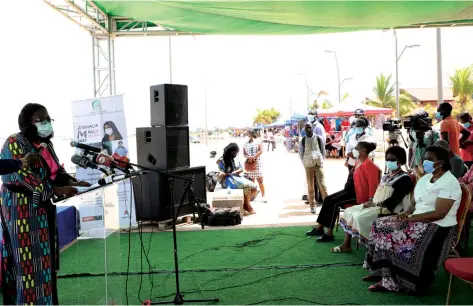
[170, 60]
[397, 76]
[93, 66]
[439, 68]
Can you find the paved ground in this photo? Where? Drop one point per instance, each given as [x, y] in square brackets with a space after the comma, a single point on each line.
[284, 179]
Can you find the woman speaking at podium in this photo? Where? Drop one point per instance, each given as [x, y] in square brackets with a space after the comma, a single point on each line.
[30, 247]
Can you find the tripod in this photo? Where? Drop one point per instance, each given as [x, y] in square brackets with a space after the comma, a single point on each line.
[179, 297]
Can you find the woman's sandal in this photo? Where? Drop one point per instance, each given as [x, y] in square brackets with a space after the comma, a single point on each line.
[377, 288]
[371, 278]
[338, 249]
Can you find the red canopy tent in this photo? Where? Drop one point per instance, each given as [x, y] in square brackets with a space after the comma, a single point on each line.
[348, 109]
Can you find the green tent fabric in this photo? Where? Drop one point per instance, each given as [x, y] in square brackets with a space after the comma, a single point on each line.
[289, 17]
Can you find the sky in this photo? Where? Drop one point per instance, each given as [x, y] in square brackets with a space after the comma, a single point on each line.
[47, 59]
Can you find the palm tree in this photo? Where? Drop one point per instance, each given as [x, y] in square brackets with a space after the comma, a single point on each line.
[315, 104]
[462, 82]
[384, 96]
[266, 116]
[326, 104]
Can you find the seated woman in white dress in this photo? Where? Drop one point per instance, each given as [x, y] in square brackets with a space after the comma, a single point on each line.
[391, 197]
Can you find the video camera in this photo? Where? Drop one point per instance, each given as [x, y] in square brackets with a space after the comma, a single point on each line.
[420, 122]
[392, 125]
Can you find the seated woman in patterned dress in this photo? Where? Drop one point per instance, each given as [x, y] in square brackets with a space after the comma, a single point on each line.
[405, 251]
[232, 176]
[391, 197]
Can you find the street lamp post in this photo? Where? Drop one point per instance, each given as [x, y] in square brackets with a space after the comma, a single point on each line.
[338, 72]
[398, 107]
[307, 89]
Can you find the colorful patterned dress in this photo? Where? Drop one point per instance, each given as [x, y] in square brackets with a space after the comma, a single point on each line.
[250, 149]
[30, 255]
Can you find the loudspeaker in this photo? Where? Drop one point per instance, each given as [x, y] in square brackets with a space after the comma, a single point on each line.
[169, 105]
[152, 194]
[163, 147]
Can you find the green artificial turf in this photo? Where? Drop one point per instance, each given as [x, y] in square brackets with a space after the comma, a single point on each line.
[245, 266]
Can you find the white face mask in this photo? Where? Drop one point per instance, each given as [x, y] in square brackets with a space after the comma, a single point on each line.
[109, 131]
[44, 129]
[355, 153]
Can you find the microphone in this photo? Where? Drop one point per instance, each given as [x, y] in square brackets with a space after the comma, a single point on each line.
[85, 147]
[105, 160]
[116, 178]
[84, 162]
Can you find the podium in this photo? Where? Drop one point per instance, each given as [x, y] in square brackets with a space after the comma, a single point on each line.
[99, 248]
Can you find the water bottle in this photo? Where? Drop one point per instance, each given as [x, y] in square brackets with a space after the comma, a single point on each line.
[229, 192]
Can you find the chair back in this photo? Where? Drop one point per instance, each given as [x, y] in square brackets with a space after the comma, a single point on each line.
[463, 209]
[413, 177]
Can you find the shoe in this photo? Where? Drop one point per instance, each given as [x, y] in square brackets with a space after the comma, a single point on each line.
[377, 288]
[306, 202]
[312, 210]
[325, 238]
[318, 204]
[263, 199]
[305, 198]
[315, 232]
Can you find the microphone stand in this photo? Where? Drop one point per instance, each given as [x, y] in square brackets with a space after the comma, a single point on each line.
[178, 297]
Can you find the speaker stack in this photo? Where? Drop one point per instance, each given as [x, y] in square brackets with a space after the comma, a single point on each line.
[165, 146]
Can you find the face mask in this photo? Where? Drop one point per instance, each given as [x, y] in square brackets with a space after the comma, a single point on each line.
[391, 165]
[466, 125]
[428, 166]
[311, 118]
[438, 116]
[44, 130]
[359, 130]
[109, 131]
[355, 153]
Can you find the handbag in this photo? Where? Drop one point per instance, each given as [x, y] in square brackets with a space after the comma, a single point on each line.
[250, 166]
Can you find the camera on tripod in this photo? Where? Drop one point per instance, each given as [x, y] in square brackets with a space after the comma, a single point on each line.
[420, 122]
[392, 125]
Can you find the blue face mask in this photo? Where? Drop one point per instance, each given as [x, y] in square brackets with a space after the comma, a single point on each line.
[392, 165]
[45, 129]
[428, 166]
[359, 130]
[467, 125]
[438, 116]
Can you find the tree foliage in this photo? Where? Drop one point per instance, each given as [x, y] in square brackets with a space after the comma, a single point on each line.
[385, 96]
[315, 104]
[266, 116]
[462, 82]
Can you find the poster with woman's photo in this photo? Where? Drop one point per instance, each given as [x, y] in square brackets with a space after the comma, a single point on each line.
[100, 122]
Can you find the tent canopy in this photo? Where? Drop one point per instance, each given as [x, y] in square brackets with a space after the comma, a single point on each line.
[286, 17]
[349, 108]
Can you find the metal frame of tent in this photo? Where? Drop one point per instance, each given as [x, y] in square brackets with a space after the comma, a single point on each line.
[104, 29]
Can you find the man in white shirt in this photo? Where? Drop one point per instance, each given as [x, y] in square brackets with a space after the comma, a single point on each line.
[312, 153]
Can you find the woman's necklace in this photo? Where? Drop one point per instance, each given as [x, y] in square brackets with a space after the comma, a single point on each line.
[394, 173]
[436, 177]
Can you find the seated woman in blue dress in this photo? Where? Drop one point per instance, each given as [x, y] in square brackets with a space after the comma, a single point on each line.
[231, 176]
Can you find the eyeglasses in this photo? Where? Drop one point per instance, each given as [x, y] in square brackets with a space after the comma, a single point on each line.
[42, 122]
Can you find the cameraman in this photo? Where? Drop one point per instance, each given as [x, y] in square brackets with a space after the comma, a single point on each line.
[421, 135]
[450, 129]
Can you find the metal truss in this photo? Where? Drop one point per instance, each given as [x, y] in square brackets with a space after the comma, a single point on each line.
[103, 57]
[104, 29]
[84, 13]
